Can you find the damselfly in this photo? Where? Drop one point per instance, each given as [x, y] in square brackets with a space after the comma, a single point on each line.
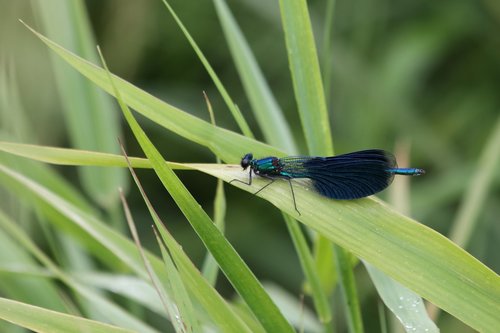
[344, 177]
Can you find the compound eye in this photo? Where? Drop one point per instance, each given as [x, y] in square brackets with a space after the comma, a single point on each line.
[245, 161]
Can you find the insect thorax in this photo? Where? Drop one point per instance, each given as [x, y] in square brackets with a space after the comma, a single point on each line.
[267, 166]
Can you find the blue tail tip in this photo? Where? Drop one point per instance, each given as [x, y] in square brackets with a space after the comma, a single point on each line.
[407, 171]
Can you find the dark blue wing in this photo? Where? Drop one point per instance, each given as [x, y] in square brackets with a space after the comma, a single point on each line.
[349, 176]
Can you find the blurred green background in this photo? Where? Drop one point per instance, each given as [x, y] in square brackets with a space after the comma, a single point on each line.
[422, 75]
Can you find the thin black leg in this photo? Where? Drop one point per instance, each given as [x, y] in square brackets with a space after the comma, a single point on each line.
[250, 181]
[263, 187]
[240, 181]
[293, 195]
[272, 180]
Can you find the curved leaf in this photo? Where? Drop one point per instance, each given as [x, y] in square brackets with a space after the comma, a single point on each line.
[43, 320]
[412, 253]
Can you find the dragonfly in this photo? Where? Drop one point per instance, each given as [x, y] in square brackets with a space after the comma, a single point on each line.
[343, 177]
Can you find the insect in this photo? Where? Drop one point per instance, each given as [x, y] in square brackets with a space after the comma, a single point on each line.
[343, 177]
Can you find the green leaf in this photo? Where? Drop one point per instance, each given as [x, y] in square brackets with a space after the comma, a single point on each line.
[327, 54]
[406, 305]
[411, 253]
[210, 268]
[310, 97]
[221, 312]
[203, 290]
[307, 261]
[117, 245]
[43, 320]
[125, 285]
[28, 287]
[349, 290]
[294, 309]
[267, 111]
[101, 308]
[185, 320]
[229, 146]
[164, 287]
[306, 77]
[90, 117]
[235, 269]
[64, 156]
[240, 120]
[477, 190]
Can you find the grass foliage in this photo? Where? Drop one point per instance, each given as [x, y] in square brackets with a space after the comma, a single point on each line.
[410, 74]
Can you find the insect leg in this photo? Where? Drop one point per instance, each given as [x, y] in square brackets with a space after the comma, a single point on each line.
[263, 187]
[293, 195]
[240, 181]
[291, 188]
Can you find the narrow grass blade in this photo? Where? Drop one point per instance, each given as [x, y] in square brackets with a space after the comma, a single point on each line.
[475, 195]
[349, 290]
[162, 293]
[104, 309]
[223, 315]
[43, 320]
[185, 321]
[325, 264]
[229, 146]
[113, 243]
[267, 111]
[230, 262]
[125, 285]
[66, 156]
[295, 309]
[19, 278]
[316, 275]
[240, 120]
[309, 93]
[326, 54]
[210, 268]
[382, 317]
[180, 310]
[17, 125]
[206, 294]
[308, 266]
[89, 113]
[306, 77]
[13, 118]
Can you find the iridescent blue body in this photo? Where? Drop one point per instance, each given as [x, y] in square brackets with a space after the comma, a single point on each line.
[349, 176]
